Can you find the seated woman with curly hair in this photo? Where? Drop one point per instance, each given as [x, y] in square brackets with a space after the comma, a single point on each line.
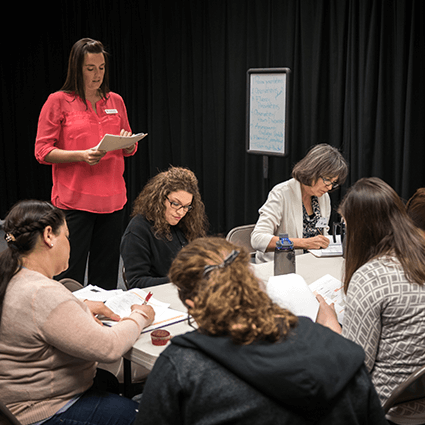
[167, 214]
[251, 361]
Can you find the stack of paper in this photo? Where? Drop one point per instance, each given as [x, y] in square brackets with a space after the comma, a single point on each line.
[112, 142]
[120, 302]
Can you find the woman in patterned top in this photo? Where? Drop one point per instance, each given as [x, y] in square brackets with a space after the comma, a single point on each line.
[295, 206]
[384, 285]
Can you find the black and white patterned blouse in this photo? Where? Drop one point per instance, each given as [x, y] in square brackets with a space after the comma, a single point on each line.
[385, 314]
[309, 222]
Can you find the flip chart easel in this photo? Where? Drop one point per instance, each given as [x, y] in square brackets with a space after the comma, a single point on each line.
[266, 113]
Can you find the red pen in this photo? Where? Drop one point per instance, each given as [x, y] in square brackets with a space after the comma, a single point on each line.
[147, 298]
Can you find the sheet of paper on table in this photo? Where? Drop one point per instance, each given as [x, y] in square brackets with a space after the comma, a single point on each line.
[111, 142]
[121, 303]
[334, 248]
[95, 293]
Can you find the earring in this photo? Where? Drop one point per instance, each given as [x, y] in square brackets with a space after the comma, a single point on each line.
[51, 245]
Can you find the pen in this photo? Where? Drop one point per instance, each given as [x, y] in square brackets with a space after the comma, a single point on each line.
[147, 298]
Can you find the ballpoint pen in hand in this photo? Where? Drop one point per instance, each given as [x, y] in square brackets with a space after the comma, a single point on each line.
[147, 298]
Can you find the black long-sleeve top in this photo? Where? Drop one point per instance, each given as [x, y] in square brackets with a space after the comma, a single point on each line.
[147, 258]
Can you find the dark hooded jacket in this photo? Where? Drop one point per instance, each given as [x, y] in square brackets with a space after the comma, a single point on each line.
[314, 376]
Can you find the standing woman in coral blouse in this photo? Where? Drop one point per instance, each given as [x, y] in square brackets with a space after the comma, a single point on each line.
[87, 184]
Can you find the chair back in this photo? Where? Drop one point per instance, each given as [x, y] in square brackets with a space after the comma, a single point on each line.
[411, 389]
[124, 278]
[241, 236]
[71, 284]
[7, 417]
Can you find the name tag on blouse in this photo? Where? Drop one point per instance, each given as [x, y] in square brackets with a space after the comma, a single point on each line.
[322, 222]
[111, 111]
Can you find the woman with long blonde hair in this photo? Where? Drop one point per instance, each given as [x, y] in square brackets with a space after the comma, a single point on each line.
[251, 361]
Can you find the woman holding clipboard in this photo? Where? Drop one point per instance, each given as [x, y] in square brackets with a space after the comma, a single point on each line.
[88, 184]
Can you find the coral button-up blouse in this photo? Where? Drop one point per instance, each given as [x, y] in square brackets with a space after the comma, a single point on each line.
[66, 123]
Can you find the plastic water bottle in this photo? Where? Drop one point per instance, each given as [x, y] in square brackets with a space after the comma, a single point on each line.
[284, 256]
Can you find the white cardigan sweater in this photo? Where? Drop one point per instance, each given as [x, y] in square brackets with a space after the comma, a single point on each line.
[283, 213]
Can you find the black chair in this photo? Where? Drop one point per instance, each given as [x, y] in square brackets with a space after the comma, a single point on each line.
[410, 390]
[7, 417]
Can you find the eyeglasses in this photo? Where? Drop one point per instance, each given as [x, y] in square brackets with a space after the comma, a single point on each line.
[177, 206]
[191, 322]
[328, 183]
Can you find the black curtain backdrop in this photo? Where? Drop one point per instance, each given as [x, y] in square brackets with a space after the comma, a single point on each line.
[356, 83]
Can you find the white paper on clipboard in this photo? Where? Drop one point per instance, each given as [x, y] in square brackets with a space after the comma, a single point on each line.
[112, 142]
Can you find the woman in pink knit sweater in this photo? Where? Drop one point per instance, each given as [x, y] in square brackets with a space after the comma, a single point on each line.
[50, 342]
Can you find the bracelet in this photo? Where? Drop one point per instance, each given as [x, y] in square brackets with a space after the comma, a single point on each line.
[142, 313]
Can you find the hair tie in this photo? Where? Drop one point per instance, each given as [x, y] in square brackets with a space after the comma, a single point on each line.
[9, 237]
[228, 260]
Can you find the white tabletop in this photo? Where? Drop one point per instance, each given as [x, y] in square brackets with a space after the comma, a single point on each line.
[308, 266]
[144, 352]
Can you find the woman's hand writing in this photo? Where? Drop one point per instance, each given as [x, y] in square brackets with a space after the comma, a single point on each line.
[316, 242]
[145, 310]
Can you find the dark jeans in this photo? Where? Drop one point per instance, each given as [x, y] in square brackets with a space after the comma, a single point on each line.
[96, 407]
[100, 405]
[96, 237]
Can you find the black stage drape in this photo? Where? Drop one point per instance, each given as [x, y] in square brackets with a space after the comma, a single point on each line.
[356, 83]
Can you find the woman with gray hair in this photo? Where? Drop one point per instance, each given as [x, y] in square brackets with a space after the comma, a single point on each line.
[295, 206]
